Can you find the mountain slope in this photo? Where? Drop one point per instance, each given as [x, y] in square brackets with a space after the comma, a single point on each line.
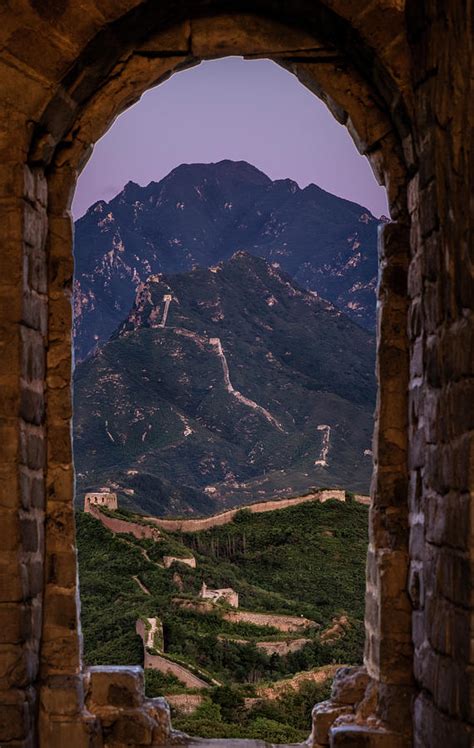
[201, 214]
[224, 386]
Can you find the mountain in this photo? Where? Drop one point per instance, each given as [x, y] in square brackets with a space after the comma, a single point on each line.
[201, 214]
[223, 386]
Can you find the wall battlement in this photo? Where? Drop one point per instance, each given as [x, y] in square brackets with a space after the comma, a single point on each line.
[106, 499]
[224, 594]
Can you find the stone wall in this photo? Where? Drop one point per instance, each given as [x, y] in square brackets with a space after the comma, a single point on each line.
[168, 667]
[400, 80]
[123, 526]
[282, 623]
[184, 703]
[101, 498]
[223, 518]
[224, 594]
[441, 409]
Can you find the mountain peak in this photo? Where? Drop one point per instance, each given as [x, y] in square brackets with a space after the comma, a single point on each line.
[226, 169]
[201, 214]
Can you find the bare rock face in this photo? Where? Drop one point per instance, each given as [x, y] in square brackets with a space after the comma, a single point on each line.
[349, 685]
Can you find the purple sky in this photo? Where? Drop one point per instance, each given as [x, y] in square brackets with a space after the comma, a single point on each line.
[230, 108]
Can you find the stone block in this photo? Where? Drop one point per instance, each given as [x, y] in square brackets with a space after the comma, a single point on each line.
[246, 34]
[32, 447]
[349, 685]
[61, 484]
[61, 607]
[62, 568]
[13, 725]
[10, 534]
[159, 710]
[132, 728]
[32, 355]
[60, 650]
[324, 714]
[62, 696]
[67, 733]
[362, 736]
[110, 686]
[13, 576]
[14, 623]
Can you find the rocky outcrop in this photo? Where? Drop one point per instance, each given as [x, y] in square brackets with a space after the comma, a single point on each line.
[336, 630]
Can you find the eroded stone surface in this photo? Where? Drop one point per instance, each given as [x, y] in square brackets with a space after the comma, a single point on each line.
[324, 714]
[349, 685]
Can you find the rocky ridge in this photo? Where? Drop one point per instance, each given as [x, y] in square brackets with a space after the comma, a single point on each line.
[201, 214]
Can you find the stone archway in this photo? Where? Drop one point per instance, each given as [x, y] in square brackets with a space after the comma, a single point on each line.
[322, 68]
[66, 72]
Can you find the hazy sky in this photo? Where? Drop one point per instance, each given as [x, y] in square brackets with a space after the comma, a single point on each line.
[230, 108]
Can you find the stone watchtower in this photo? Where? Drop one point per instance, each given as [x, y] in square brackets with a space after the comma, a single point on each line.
[104, 498]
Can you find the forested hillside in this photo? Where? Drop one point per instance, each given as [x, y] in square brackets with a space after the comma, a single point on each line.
[225, 386]
[308, 560]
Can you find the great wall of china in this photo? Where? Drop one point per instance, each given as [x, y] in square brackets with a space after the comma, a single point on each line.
[150, 629]
[282, 623]
[122, 526]
[151, 633]
[223, 518]
[93, 504]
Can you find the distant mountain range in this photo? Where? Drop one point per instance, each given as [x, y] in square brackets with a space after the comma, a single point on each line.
[200, 215]
[221, 385]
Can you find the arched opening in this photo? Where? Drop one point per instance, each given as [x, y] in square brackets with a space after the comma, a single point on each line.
[103, 431]
[414, 59]
[378, 128]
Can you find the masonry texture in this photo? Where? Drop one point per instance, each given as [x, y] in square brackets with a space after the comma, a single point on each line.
[398, 76]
